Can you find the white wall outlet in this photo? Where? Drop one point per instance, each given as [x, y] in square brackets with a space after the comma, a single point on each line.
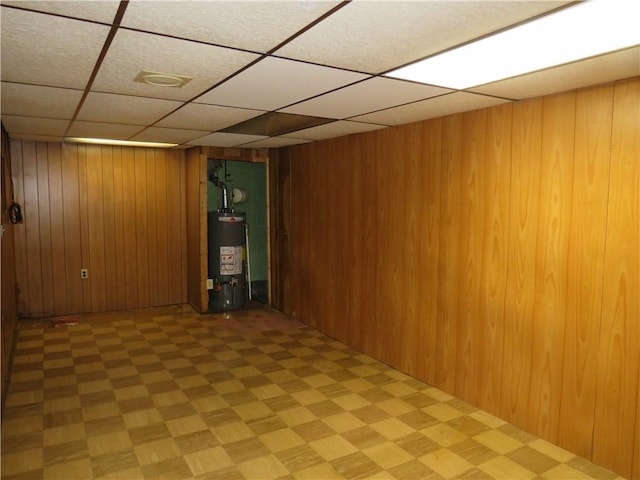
[209, 283]
[84, 273]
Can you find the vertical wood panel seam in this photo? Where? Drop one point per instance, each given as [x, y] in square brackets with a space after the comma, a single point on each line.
[604, 257]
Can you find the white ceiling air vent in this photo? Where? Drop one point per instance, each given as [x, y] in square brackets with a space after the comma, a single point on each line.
[162, 79]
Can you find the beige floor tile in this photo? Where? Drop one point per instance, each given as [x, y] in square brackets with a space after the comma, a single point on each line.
[551, 450]
[186, 425]
[446, 463]
[141, 418]
[166, 393]
[108, 442]
[564, 472]
[232, 432]
[208, 460]
[296, 416]
[333, 447]
[157, 451]
[443, 412]
[281, 439]
[343, 422]
[387, 455]
[80, 468]
[392, 428]
[443, 434]
[62, 434]
[497, 441]
[502, 467]
[23, 461]
[322, 471]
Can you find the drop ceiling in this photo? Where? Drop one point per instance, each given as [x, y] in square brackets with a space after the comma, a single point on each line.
[264, 74]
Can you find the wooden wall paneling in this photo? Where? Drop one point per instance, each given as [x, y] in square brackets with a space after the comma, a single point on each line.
[72, 228]
[95, 221]
[183, 227]
[142, 226]
[521, 269]
[399, 253]
[130, 222]
[340, 260]
[371, 195]
[298, 205]
[446, 329]
[152, 222]
[8, 299]
[204, 244]
[618, 356]
[161, 159]
[470, 218]
[85, 235]
[353, 244]
[83, 209]
[551, 256]
[175, 214]
[585, 267]
[56, 219]
[20, 231]
[32, 226]
[429, 144]
[496, 173]
[109, 231]
[196, 177]
[378, 227]
[193, 226]
[286, 294]
[44, 226]
[413, 306]
[119, 226]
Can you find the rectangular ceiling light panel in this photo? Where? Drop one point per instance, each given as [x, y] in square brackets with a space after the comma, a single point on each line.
[578, 32]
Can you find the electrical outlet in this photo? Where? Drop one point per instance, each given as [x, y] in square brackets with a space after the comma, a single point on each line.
[209, 283]
[84, 273]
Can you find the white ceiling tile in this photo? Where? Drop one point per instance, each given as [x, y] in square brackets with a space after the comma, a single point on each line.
[275, 142]
[376, 36]
[364, 97]
[256, 26]
[132, 52]
[593, 71]
[207, 117]
[98, 11]
[103, 130]
[274, 83]
[335, 129]
[40, 49]
[434, 107]
[38, 101]
[111, 108]
[168, 135]
[225, 139]
[35, 126]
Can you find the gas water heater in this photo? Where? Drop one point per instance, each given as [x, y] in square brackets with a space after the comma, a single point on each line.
[227, 255]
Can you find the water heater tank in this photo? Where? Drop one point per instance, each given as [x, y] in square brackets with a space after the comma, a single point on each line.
[227, 260]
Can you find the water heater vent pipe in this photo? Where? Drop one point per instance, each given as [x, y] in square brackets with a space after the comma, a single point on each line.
[225, 193]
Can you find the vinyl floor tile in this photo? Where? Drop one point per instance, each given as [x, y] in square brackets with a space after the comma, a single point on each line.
[167, 393]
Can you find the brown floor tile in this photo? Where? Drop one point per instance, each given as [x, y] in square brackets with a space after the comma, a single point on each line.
[167, 393]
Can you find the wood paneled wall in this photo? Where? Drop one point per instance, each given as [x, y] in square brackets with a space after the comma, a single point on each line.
[119, 212]
[197, 244]
[8, 299]
[494, 254]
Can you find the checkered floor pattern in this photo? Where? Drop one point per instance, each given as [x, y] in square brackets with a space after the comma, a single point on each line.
[167, 393]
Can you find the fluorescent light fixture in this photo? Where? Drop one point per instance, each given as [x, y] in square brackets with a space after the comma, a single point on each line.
[581, 31]
[123, 143]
